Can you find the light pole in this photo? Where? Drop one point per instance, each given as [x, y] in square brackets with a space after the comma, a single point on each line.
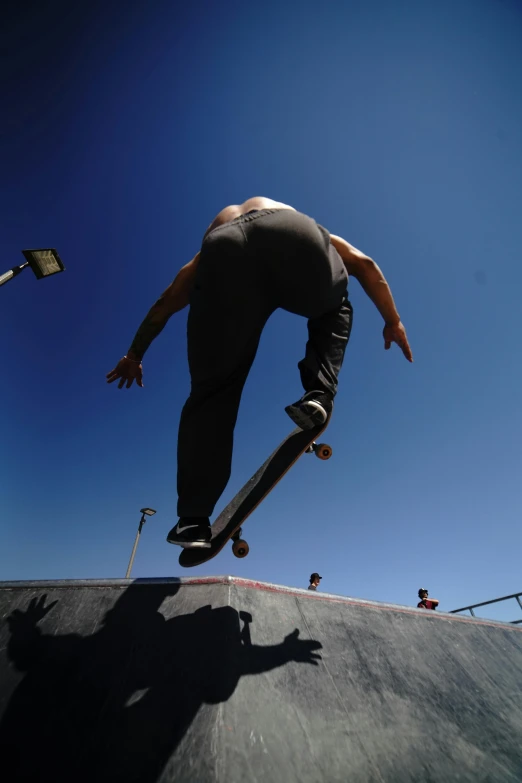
[44, 263]
[145, 512]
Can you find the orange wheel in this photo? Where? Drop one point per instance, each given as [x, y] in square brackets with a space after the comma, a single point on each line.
[323, 451]
[240, 548]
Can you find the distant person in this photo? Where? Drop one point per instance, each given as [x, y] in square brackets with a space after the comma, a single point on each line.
[255, 257]
[314, 581]
[425, 602]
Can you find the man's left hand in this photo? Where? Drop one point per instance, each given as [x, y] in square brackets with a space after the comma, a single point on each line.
[127, 371]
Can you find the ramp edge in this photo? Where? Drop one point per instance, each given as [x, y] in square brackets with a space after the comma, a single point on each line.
[253, 584]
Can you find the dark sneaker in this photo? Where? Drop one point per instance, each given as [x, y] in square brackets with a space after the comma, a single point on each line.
[191, 533]
[311, 410]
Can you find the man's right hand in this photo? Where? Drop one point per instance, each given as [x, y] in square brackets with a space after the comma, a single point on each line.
[127, 371]
[396, 333]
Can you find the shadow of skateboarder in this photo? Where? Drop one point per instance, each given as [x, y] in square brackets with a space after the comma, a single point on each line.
[133, 701]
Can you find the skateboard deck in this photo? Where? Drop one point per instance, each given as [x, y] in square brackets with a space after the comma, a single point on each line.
[228, 524]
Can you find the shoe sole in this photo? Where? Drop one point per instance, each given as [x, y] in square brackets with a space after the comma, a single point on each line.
[190, 544]
[305, 420]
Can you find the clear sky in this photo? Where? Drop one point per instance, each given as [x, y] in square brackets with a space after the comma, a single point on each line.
[396, 125]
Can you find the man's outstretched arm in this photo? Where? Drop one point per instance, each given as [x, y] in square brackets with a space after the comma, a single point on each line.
[172, 300]
[374, 284]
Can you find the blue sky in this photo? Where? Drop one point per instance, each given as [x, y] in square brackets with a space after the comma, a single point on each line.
[395, 125]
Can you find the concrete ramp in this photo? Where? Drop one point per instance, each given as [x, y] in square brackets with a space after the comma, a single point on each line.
[228, 680]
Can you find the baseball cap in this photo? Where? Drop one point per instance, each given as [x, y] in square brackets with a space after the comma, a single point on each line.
[315, 576]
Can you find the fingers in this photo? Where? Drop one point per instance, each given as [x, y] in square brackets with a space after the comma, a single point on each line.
[398, 336]
[291, 637]
[114, 374]
[402, 342]
[405, 348]
[407, 351]
[313, 659]
[126, 374]
[125, 379]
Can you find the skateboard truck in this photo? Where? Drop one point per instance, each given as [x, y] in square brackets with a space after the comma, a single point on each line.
[321, 450]
[239, 547]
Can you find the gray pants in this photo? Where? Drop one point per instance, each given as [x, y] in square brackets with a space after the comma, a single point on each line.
[248, 268]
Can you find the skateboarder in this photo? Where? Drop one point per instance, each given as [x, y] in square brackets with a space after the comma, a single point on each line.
[255, 258]
[314, 581]
[425, 602]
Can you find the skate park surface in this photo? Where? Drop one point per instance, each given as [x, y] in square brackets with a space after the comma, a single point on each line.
[226, 679]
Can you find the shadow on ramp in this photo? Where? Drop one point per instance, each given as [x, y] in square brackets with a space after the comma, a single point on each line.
[135, 698]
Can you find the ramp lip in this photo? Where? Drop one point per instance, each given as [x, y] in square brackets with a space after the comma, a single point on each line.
[254, 584]
[379, 605]
[114, 582]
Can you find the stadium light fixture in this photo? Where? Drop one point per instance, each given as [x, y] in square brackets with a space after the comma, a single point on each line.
[44, 263]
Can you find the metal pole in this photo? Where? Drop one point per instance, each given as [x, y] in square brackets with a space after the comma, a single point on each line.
[134, 548]
[12, 273]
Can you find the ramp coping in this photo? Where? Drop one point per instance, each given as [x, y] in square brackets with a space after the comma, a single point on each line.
[256, 585]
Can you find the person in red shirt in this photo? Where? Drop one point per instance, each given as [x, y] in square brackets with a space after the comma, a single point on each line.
[425, 602]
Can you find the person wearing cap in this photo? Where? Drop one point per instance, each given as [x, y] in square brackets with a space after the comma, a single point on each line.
[425, 602]
[314, 581]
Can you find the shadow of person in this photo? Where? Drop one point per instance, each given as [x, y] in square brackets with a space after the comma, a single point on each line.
[117, 704]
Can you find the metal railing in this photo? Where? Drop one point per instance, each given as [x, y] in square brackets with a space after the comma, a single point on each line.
[469, 609]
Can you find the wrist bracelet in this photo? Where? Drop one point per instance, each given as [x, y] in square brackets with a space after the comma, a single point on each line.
[136, 361]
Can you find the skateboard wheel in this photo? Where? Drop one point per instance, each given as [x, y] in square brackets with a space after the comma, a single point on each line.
[240, 548]
[323, 451]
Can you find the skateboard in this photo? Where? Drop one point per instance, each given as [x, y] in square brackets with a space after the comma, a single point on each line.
[228, 524]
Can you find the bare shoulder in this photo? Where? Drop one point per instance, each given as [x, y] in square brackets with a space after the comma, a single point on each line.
[226, 214]
[354, 259]
[262, 202]
[345, 249]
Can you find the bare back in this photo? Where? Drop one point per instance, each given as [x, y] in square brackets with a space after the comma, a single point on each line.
[235, 210]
